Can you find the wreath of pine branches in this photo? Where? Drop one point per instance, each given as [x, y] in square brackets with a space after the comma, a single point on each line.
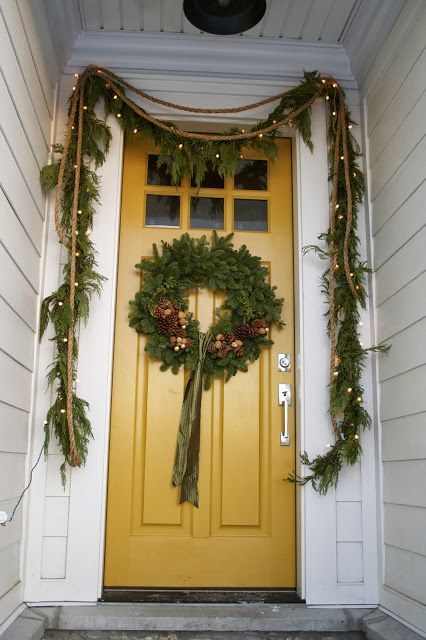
[84, 151]
[241, 325]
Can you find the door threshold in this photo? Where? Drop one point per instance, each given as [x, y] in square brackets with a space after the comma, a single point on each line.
[200, 595]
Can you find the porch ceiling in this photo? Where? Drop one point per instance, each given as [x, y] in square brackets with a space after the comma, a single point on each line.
[342, 37]
[307, 20]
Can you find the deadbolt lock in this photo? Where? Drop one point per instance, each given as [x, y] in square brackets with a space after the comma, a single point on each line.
[284, 362]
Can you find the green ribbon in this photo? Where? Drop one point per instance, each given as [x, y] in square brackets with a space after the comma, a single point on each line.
[186, 467]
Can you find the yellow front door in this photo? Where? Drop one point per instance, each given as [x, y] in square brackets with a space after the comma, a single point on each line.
[243, 534]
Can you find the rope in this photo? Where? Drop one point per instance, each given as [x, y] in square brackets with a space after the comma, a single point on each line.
[211, 137]
[62, 165]
[77, 102]
[333, 260]
[349, 213]
[74, 456]
[179, 107]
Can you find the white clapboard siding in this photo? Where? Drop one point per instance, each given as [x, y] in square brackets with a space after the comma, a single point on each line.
[27, 81]
[402, 226]
[401, 563]
[13, 432]
[395, 106]
[404, 438]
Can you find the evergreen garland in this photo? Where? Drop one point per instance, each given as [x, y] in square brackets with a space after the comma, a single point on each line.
[241, 325]
[183, 156]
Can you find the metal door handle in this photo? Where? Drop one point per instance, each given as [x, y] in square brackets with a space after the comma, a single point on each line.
[284, 398]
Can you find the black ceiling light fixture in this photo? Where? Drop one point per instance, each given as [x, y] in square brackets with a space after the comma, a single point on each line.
[224, 17]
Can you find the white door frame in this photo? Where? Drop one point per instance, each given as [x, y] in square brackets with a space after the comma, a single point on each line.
[65, 538]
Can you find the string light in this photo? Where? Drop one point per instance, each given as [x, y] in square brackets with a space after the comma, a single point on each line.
[354, 175]
[46, 422]
[115, 96]
[350, 127]
[336, 266]
[360, 323]
[334, 113]
[260, 135]
[76, 233]
[85, 107]
[64, 339]
[243, 130]
[74, 88]
[60, 304]
[342, 157]
[359, 399]
[356, 436]
[336, 373]
[62, 410]
[77, 253]
[323, 81]
[118, 115]
[241, 156]
[274, 122]
[340, 217]
[217, 155]
[334, 85]
[76, 75]
[327, 97]
[73, 127]
[349, 389]
[351, 274]
[328, 445]
[357, 287]
[135, 130]
[79, 211]
[337, 206]
[76, 284]
[180, 146]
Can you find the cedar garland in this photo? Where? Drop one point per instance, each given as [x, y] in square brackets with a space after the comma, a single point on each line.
[87, 143]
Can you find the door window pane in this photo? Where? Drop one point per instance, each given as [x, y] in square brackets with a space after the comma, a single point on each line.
[250, 215]
[206, 213]
[162, 211]
[212, 180]
[158, 175]
[251, 174]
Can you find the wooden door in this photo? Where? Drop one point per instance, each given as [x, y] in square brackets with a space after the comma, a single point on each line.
[243, 533]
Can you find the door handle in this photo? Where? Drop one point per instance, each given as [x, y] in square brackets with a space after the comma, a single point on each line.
[284, 398]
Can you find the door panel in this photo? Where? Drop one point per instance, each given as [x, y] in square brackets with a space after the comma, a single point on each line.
[243, 534]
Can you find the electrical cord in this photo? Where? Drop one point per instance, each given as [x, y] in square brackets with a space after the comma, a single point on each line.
[9, 520]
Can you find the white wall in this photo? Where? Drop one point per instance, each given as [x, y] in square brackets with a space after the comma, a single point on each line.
[395, 116]
[27, 76]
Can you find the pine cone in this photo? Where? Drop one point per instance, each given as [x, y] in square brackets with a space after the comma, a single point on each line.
[228, 338]
[167, 325]
[211, 348]
[158, 312]
[253, 332]
[239, 352]
[242, 331]
[258, 324]
[223, 352]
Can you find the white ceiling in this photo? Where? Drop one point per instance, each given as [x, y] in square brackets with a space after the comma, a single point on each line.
[306, 20]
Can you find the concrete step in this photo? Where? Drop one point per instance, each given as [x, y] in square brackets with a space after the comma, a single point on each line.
[241, 618]
[196, 635]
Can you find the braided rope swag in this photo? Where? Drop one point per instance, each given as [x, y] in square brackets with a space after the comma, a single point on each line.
[85, 148]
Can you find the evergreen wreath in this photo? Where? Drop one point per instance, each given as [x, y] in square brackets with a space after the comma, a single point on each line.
[241, 325]
[85, 148]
